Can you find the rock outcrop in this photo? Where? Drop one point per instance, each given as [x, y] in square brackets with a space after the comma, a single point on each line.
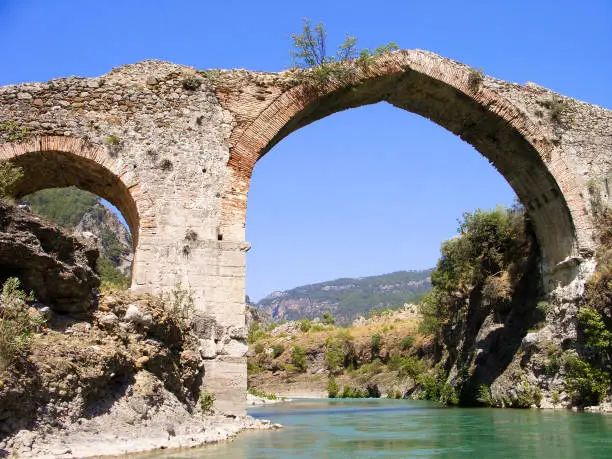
[58, 268]
[114, 239]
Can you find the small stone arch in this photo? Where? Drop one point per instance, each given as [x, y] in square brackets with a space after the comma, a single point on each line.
[56, 161]
[451, 95]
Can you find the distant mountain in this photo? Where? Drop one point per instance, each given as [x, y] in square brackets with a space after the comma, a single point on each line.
[114, 239]
[79, 211]
[347, 298]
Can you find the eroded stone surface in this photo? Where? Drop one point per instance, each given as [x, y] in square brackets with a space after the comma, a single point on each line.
[58, 268]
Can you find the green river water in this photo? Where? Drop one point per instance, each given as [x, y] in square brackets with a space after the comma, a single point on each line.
[376, 428]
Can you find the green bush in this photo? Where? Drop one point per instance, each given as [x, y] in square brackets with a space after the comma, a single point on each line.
[353, 392]
[259, 348]
[257, 393]
[475, 78]
[334, 355]
[407, 343]
[9, 176]
[586, 384]
[206, 401]
[298, 358]
[555, 398]
[256, 333]
[595, 333]
[277, 350]
[431, 386]
[17, 324]
[484, 395]
[375, 345]
[305, 325]
[373, 368]
[488, 252]
[328, 319]
[180, 305]
[191, 83]
[527, 395]
[13, 132]
[332, 387]
[111, 277]
[411, 367]
[448, 396]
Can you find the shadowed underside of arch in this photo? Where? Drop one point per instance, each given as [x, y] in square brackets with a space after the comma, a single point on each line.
[56, 162]
[442, 91]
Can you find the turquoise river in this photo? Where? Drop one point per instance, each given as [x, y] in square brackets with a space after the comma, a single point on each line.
[374, 428]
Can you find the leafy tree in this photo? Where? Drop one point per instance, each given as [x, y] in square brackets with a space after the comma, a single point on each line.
[310, 47]
[375, 345]
[310, 52]
[334, 355]
[328, 319]
[64, 206]
[277, 350]
[489, 252]
[332, 387]
[298, 358]
[411, 367]
[596, 335]
[17, 323]
[111, 277]
[305, 325]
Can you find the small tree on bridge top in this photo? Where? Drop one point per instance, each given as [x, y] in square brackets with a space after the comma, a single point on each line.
[310, 54]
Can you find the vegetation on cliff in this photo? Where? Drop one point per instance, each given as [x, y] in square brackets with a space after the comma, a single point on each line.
[472, 329]
[77, 210]
[373, 356]
[589, 372]
[489, 255]
[59, 368]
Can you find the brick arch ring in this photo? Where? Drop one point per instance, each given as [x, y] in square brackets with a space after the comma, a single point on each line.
[56, 161]
[445, 92]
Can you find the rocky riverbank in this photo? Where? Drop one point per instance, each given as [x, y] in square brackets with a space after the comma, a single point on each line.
[86, 374]
[125, 378]
[115, 434]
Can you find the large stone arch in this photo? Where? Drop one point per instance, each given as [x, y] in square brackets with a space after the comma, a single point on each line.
[451, 95]
[187, 142]
[55, 162]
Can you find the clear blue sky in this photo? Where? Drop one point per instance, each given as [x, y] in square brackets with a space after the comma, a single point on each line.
[363, 192]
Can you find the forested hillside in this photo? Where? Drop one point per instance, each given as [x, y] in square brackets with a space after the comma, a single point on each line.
[80, 211]
[348, 298]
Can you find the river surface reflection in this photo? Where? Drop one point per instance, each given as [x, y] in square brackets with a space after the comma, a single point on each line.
[406, 428]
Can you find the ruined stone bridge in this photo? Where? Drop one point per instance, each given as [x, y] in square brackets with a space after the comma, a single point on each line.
[174, 149]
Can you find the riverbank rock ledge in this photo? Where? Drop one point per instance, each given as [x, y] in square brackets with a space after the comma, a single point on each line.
[58, 267]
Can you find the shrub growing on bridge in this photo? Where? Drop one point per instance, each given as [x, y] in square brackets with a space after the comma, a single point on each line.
[310, 54]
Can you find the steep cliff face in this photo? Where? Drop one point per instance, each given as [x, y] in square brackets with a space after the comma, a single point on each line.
[59, 268]
[485, 333]
[113, 238]
[501, 340]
